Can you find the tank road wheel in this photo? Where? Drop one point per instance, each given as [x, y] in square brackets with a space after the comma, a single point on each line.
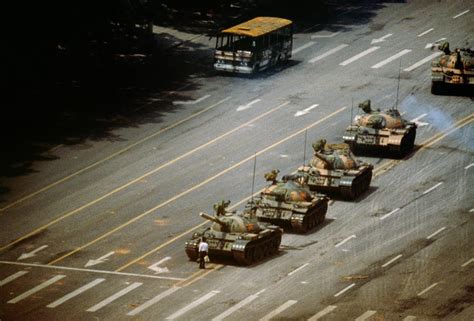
[249, 254]
[276, 244]
[320, 218]
[258, 253]
[436, 88]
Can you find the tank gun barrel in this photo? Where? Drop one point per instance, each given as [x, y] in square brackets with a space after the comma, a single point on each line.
[322, 158]
[212, 218]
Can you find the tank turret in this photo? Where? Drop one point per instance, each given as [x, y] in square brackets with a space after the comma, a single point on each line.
[452, 68]
[334, 169]
[236, 234]
[290, 203]
[382, 130]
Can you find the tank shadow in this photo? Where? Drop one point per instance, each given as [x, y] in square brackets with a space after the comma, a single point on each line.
[455, 90]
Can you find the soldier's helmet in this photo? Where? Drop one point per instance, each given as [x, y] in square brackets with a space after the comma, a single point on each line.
[319, 145]
[365, 106]
[445, 47]
[271, 176]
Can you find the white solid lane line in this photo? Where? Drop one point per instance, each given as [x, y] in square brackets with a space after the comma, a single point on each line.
[392, 260]
[422, 61]
[238, 306]
[12, 277]
[328, 53]
[345, 289]
[192, 305]
[114, 297]
[424, 33]
[298, 269]
[358, 56]
[75, 293]
[388, 214]
[278, 310]
[345, 240]
[307, 45]
[325, 36]
[392, 58]
[152, 301]
[432, 188]
[460, 14]
[244, 107]
[365, 315]
[191, 102]
[323, 312]
[427, 289]
[467, 263]
[436, 233]
[37, 288]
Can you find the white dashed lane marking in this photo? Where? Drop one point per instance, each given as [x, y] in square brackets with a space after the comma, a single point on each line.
[307, 45]
[114, 297]
[75, 293]
[359, 56]
[422, 61]
[37, 289]
[279, 310]
[328, 53]
[12, 277]
[323, 312]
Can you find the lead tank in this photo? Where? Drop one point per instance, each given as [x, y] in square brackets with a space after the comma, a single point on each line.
[335, 169]
[237, 235]
[452, 67]
[384, 130]
[290, 203]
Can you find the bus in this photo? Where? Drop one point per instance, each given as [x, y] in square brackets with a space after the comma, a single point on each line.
[254, 45]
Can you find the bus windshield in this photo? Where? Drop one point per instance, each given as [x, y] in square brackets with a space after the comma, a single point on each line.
[254, 45]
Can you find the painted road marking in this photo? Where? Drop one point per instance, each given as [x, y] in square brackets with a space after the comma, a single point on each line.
[471, 210]
[430, 45]
[101, 259]
[298, 269]
[388, 214]
[392, 260]
[366, 315]
[424, 33]
[244, 107]
[469, 166]
[37, 288]
[358, 56]
[307, 45]
[467, 263]
[32, 253]
[191, 102]
[418, 122]
[345, 240]
[460, 14]
[328, 53]
[152, 301]
[155, 267]
[323, 312]
[305, 111]
[278, 310]
[427, 289]
[392, 58]
[75, 293]
[410, 318]
[56, 267]
[12, 277]
[325, 36]
[344, 290]
[437, 232]
[381, 39]
[113, 155]
[237, 306]
[192, 305]
[422, 61]
[114, 297]
[432, 188]
[138, 179]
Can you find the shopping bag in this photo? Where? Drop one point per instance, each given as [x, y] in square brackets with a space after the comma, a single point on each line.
[206, 259]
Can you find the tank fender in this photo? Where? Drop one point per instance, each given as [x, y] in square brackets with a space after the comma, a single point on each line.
[239, 245]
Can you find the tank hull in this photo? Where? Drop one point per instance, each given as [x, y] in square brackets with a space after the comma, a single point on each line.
[397, 142]
[298, 219]
[243, 248]
[348, 183]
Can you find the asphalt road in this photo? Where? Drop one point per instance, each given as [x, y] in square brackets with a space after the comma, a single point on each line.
[99, 232]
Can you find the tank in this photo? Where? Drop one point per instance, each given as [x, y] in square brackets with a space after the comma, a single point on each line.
[380, 130]
[334, 169]
[452, 67]
[289, 203]
[237, 235]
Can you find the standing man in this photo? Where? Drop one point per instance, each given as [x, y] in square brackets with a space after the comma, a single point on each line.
[203, 248]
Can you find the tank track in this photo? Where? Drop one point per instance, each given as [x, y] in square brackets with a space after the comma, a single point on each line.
[406, 145]
[359, 186]
[258, 250]
[302, 223]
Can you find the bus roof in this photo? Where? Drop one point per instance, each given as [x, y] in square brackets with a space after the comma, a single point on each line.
[258, 26]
